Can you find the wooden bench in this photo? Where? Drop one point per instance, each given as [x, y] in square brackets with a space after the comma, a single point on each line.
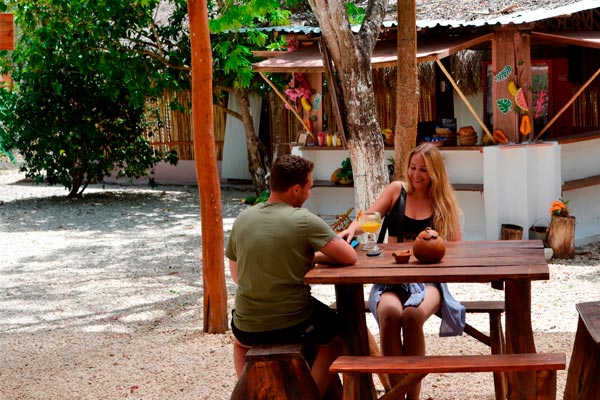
[417, 367]
[495, 340]
[583, 378]
[280, 371]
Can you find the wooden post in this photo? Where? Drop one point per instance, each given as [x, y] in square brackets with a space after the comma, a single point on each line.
[561, 236]
[213, 274]
[523, 72]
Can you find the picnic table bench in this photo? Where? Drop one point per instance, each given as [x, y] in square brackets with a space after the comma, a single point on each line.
[583, 378]
[495, 340]
[417, 367]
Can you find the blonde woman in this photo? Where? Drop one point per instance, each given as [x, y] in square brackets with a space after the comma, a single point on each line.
[425, 200]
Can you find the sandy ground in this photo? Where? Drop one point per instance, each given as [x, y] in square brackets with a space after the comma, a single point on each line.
[101, 298]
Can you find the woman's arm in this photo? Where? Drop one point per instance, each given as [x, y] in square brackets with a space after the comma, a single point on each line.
[383, 204]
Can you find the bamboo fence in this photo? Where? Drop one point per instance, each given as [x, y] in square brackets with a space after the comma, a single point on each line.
[172, 129]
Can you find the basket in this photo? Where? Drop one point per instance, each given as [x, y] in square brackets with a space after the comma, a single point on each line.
[449, 138]
[470, 140]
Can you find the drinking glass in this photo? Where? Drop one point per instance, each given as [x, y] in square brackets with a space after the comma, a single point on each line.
[370, 222]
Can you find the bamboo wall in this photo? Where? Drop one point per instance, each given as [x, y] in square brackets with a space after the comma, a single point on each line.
[172, 129]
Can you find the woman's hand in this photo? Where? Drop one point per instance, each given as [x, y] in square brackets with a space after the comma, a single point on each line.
[350, 232]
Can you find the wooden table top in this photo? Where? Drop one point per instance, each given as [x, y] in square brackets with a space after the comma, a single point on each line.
[467, 261]
[590, 314]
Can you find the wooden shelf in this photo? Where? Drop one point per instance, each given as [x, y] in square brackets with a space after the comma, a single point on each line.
[581, 183]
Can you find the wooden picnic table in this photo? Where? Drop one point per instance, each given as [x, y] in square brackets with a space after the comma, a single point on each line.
[515, 263]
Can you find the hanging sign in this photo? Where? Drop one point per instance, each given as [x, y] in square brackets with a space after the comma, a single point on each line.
[7, 32]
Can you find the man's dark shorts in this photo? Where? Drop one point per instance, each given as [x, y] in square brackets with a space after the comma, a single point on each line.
[320, 329]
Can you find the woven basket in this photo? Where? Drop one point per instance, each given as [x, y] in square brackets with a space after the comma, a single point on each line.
[467, 140]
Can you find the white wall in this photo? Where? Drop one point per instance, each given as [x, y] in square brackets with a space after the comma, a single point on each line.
[582, 160]
[235, 152]
[520, 183]
[463, 166]
[464, 117]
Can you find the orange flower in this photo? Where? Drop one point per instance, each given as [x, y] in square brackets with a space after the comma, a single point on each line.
[559, 207]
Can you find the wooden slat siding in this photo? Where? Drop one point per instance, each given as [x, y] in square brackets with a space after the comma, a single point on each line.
[581, 183]
[448, 364]
[467, 187]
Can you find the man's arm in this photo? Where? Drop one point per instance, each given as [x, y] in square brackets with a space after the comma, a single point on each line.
[336, 252]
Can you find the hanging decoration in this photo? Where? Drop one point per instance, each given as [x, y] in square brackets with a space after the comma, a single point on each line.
[504, 105]
[317, 101]
[521, 100]
[503, 74]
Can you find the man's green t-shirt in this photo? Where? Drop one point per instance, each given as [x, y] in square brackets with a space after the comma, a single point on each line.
[274, 245]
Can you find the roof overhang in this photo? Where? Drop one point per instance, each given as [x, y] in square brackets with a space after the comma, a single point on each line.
[308, 59]
[585, 39]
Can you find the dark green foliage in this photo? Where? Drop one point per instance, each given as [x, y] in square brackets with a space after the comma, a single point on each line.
[346, 170]
[83, 72]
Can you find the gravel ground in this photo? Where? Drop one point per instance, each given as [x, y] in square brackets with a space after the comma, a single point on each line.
[101, 298]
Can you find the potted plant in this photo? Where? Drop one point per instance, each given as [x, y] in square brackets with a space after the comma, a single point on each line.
[343, 175]
[561, 232]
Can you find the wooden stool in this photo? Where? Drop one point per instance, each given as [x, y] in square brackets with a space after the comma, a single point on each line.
[275, 371]
[584, 369]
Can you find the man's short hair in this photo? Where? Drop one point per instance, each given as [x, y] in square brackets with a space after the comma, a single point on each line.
[289, 170]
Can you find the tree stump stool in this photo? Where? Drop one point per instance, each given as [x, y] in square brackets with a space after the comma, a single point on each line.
[511, 232]
[561, 236]
[276, 371]
[583, 381]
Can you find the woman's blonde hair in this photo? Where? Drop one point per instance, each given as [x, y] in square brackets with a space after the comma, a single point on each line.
[446, 212]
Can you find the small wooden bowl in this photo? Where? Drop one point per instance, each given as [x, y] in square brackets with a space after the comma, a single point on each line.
[402, 256]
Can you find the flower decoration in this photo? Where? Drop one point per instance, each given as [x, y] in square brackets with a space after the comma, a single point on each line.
[560, 208]
[298, 88]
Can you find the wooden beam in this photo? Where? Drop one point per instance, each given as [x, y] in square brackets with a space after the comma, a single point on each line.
[465, 100]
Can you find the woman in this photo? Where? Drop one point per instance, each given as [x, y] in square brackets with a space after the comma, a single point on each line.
[425, 200]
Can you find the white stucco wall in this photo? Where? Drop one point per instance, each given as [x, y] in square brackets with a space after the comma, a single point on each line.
[581, 160]
[235, 152]
[520, 182]
[464, 117]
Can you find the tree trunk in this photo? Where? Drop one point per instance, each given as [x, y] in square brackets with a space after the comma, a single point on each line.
[351, 55]
[280, 142]
[258, 164]
[213, 274]
[407, 87]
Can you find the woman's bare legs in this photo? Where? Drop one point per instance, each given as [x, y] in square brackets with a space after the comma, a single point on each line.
[401, 329]
[412, 329]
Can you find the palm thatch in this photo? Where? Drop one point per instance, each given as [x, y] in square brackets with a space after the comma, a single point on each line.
[465, 68]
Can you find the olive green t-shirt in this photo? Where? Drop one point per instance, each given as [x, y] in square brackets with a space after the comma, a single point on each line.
[274, 246]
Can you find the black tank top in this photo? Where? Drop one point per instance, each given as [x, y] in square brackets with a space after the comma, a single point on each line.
[399, 225]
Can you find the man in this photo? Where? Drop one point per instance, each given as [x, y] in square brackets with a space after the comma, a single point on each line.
[271, 247]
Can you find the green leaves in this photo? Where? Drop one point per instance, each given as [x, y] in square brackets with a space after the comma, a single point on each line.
[236, 32]
[84, 71]
[356, 14]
